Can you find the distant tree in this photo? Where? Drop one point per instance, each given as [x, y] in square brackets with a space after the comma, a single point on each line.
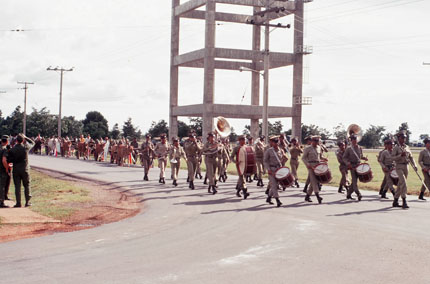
[424, 136]
[95, 124]
[71, 127]
[340, 132]
[129, 130]
[372, 138]
[114, 134]
[309, 130]
[233, 135]
[183, 129]
[158, 128]
[196, 124]
[404, 126]
[41, 122]
[274, 128]
[324, 133]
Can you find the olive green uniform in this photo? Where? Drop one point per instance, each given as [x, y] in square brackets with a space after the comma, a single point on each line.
[192, 150]
[4, 176]
[352, 158]
[295, 153]
[343, 168]
[402, 168]
[19, 157]
[385, 159]
[273, 161]
[210, 161]
[147, 155]
[176, 153]
[312, 157]
[259, 158]
[424, 161]
[241, 183]
[161, 151]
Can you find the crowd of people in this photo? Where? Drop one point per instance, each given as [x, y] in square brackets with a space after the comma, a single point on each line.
[252, 159]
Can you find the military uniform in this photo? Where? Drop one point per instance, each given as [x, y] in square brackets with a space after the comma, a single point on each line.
[19, 157]
[176, 153]
[200, 161]
[424, 161]
[146, 156]
[273, 157]
[402, 170]
[312, 157]
[192, 150]
[295, 153]
[4, 173]
[259, 159]
[343, 168]
[161, 151]
[241, 183]
[352, 157]
[210, 151]
[384, 181]
[135, 146]
[385, 159]
[225, 160]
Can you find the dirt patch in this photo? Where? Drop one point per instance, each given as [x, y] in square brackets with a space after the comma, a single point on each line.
[107, 205]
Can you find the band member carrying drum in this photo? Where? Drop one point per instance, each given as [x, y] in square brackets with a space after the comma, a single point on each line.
[295, 152]
[352, 157]
[343, 168]
[424, 161]
[241, 182]
[387, 164]
[272, 162]
[312, 156]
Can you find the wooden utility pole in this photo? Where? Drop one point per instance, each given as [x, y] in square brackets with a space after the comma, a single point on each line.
[61, 70]
[24, 120]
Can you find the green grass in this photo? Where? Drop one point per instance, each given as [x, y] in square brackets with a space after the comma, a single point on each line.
[53, 197]
[414, 184]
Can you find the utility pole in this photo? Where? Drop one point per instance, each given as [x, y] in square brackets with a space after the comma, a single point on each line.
[24, 121]
[266, 74]
[61, 70]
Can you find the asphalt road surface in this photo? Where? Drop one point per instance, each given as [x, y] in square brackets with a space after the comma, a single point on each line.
[185, 236]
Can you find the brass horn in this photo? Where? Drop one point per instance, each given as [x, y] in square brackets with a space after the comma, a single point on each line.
[355, 129]
[222, 127]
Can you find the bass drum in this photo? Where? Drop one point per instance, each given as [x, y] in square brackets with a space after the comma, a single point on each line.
[322, 173]
[394, 176]
[284, 177]
[245, 160]
[364, 172]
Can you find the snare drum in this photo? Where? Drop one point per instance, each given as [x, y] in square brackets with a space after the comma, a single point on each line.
[364, 172]
[284, 177]
[246, 160]
[394, 176]
[322, 173]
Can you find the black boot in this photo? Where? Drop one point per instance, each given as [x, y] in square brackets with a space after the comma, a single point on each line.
[267, 191]
[214, 191]
[384, 194]
[237, 187]
[405, 205]
[238, 193]
[319, 198]
[359, 197]
[200, 176]
[269, 200]
[320, 186]
[349, 197]
[381, 191]
[188, 179]
[175, 183]
[225, 177]
[2, 205]
[297, 184]
[160, 181]
[308, 198]
[209, 189]
[340, 190]
[205, 181]
[278, 202]
[421, 196]
[261, 183]
[191, 185]
[245, 193]
[396, 202]
[163, 181]
[145, 177]
[305, 189]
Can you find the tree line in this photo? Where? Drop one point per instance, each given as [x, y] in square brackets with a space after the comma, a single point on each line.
[95, 124]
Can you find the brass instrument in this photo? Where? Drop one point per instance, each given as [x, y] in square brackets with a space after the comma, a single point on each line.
[355, 129]
[222, 127]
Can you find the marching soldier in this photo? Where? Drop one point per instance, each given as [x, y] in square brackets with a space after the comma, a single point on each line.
[175, 154]
[225, 159]
[312, 156]
[272, 162]
[210, 150]
[4, 170]
[161, 151]
[135, 146]
[147, 155]
[424, 161]
[260, 147]
[199, 166]
[308, 142]
[19, 157]
[283, 144]
[192, 150]
[352, 156]
[343, 168]
[241, 183]
[219, 159]
[250, 143]
[385, 159]
[295, 153]
[381, 189]
[402, 155]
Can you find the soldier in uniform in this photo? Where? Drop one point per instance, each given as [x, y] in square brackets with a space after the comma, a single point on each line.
[19, 157]
[4, 170]
[283, 144]
[135, 146]
[250, 143]
[424, 161]
[381, 189]
[260, 147]
[210, 151]
[352, 158]
[312, 156]
[272, 162]
[199, 165]
[343, 168]
[308, 142]
[192, 150]
[175, 154]
[402, 156]
[161, 151]
[241, 183]
[295, 152]
[385, 159]
[147, 155]
[225, 159]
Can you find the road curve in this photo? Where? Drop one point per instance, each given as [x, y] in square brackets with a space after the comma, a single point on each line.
[185, 236]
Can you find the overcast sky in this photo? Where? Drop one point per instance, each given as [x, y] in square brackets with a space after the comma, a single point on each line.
[367, 66]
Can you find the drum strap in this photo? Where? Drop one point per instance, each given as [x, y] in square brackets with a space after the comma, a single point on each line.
[355, 153]
[277, 158]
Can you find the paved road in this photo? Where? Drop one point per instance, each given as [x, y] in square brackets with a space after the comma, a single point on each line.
[185, 236]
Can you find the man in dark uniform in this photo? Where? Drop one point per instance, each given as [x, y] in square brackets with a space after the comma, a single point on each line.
[147, 155]
[19, 157]
[4, 171]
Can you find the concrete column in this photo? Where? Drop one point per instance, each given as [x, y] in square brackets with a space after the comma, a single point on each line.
[209, 68]
[255, 83]
[174, 71]
[298, 69]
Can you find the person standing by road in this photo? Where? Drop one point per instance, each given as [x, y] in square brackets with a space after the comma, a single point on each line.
[18, 155]
[4, 170]
[424, 161]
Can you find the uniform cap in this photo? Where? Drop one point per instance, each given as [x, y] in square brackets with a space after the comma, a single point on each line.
[339, 143]
[175, 139]
[262, 137]
[241, 137]
[5, 137]
[353, 137]
[427, 140]
[249, 137]
[308, 138]
[192, 135]
[402, 133]
[148, 136]
[315, 137]
[163, 136]
[294, 139]
[211, 134]
[388, 141]
[274, 138]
